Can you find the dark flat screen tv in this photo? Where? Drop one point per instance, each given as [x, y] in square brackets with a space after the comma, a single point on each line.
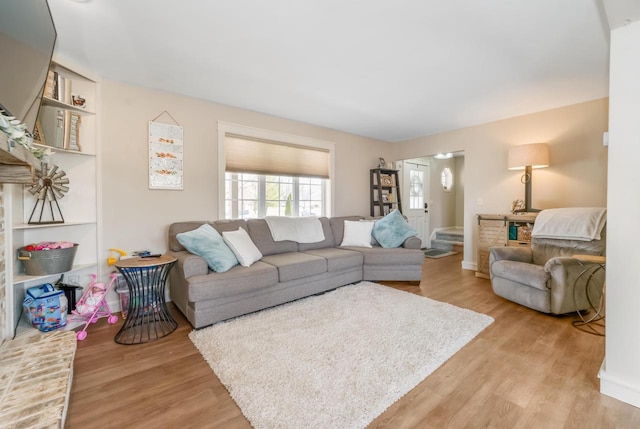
[27, 39]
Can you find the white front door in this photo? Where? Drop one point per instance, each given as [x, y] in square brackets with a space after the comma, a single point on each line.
[416, 188]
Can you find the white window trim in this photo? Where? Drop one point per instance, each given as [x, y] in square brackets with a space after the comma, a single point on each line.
[225, 128]
[262, 201]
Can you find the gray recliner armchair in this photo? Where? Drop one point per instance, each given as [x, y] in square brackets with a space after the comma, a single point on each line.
[543, 277]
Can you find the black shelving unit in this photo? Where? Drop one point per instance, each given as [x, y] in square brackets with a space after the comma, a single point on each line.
[385, 191]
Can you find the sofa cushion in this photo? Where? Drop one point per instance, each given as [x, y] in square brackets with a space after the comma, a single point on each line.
[223, 225]
[328, 237]
[357, 233]
[206, 242]
[521, 272]
[236, 281]
[338, 259]
[296, 265]
[396, 256]
[242, 246]
[392, 230]
[262, 238]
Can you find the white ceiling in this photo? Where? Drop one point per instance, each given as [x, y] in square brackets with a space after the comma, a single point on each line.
[391, 70]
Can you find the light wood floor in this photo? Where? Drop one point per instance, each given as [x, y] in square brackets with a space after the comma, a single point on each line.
[526, 370]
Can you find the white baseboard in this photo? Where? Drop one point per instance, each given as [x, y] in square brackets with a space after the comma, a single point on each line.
[618, 389]
[473, 266]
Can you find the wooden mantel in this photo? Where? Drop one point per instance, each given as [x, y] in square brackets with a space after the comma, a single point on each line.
[17, 164]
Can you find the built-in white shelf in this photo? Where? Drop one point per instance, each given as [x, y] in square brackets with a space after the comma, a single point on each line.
[23, 278]
[60, 150]
[52, 225]
[80, 204]
[47, 101]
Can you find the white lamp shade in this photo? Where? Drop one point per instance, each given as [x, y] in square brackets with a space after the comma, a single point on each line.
[535, 155]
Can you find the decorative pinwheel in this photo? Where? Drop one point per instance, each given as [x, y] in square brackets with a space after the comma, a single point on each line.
[49, 187]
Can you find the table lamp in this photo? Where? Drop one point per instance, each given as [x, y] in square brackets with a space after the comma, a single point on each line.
[527, 157]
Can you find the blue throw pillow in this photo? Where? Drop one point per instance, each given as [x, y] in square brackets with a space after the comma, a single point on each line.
[207, 243]
[392, 230]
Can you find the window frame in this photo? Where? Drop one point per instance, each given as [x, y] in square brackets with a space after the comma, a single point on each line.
[225, 128]
[419, 198]
[261, 200]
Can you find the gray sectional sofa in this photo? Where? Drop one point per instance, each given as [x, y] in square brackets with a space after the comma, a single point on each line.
[287, 271]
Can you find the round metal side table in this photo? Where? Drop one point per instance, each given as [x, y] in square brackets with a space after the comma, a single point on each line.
[148, 318]
[591, 264]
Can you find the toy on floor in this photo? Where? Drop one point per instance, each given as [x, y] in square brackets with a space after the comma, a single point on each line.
[93, 305]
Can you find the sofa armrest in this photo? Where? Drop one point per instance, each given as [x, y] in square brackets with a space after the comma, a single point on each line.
[561, 262]
[518, 254]
[412, 243]
[190, 264]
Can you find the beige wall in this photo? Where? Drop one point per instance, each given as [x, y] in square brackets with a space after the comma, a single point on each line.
[577, 175]
[459, 188]
[136, 218]
[442, 209]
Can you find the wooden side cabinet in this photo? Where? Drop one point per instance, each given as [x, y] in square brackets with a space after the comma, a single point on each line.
[501, 230]
[385, 191]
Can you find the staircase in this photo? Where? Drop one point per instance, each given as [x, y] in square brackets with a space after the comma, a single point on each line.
[449, 239]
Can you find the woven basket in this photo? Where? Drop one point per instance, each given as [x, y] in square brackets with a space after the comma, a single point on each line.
[45, 262]
[524, 233]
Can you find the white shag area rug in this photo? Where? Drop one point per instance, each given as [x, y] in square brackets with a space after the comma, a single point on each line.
[336, 360]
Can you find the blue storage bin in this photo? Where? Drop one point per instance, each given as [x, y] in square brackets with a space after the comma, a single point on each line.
[45, 307]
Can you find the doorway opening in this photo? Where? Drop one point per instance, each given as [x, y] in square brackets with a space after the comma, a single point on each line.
[433, 188]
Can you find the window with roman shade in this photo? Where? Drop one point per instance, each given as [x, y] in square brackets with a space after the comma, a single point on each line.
[267, 173]
[257, 156]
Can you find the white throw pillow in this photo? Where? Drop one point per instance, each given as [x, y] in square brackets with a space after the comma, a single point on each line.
[357, 234]
[374, 242]
[241, 245]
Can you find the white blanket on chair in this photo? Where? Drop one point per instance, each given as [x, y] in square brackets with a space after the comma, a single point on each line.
[298, 229]
[576, 223]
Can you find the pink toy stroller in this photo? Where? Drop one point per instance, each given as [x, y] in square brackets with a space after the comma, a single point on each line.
[93, 305]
